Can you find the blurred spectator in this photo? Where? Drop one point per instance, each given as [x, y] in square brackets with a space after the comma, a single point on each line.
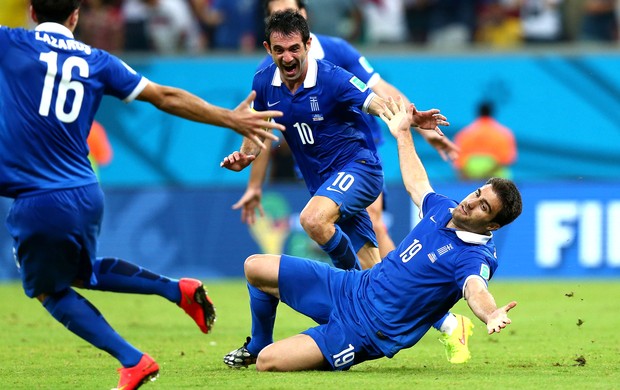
[102, 25]
[135, 14]
[451, 23]
[14, 13]
[99, 146]
[499, 24]
[234, 24]
[338, 18]
[487, 147]
[384, 21]
[207, 20]
[172, 26]
[166, 26]
[541, 21]
[599, 22]
[416, 19]
[572, 16]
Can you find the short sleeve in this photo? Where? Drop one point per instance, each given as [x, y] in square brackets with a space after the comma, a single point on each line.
[121, 80]
[351, 89]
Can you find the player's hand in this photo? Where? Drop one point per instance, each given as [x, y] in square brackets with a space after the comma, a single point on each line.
[498, 320]
[255, 125]
[428, 120]
[249, 202]
[396, 115]
[237, 161]
[447, 149]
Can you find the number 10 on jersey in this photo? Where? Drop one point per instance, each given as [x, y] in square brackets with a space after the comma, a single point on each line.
[305, 133]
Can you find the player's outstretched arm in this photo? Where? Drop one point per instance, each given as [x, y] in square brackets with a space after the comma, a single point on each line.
[444, 146]
[483, 305]
[245, 121]
[396, 115]
[428, 120]
[447, 149]
[250, 201]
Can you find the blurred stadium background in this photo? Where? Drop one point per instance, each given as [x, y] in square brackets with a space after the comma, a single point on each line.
[169, 204]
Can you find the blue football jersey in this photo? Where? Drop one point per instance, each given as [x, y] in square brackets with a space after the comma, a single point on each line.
[417, 283]
[324, 119]
[52, 86]
[340, 52]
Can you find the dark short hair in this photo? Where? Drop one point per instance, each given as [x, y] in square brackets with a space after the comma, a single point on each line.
[54, 10]
[485, 109]
[510, 197]
[301, 4]
[287, 23]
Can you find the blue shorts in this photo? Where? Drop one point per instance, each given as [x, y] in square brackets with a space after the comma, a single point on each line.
[353, 188]
[321, 292]
[55, 237]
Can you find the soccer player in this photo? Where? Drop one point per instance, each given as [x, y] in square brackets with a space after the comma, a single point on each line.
[329, 138]
[51, 88]
[455, 329]
[341, 53]
[365, 315]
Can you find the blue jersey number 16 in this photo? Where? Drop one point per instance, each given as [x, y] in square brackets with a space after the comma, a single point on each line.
[64, 86]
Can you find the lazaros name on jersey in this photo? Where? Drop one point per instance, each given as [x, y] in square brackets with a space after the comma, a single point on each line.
[68, 44]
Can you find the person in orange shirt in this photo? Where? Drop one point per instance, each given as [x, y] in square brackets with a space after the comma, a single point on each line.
[100, 148]
[488, 148]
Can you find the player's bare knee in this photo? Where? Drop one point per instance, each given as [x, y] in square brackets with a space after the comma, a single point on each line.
[251, 265]
[266, 360]
[314, 225]
[307, 219]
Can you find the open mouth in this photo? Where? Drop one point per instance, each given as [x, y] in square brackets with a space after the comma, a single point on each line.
[289, 69]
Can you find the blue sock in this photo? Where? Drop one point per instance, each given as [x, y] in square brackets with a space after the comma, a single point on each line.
[83, 319]
[263, 307]
[437, 325]
[340, 250]
[121, 276]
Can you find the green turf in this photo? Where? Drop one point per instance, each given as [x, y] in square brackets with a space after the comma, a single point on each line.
[564, 335]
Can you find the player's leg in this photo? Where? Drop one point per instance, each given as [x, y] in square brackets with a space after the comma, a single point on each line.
[359, 229]
[335, 345]
[351, 190]
[318, 220]
[368, 255]
[455, 331]
[301, 283]
[117, 275]
[81, 317]
[296, 353]
[262, 273]
[52, 250]
[313, 289]
[375, 210]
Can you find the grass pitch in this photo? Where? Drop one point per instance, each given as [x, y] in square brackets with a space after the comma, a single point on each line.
[564, 335]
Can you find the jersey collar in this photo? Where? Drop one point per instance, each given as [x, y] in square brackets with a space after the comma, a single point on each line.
[311, 75]
[472, 238]
[54, 28]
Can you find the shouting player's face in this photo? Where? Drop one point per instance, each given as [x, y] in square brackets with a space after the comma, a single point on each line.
[290, 54]
[477, 210]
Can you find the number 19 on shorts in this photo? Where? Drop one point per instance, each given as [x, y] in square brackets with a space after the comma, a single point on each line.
[345, 357]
